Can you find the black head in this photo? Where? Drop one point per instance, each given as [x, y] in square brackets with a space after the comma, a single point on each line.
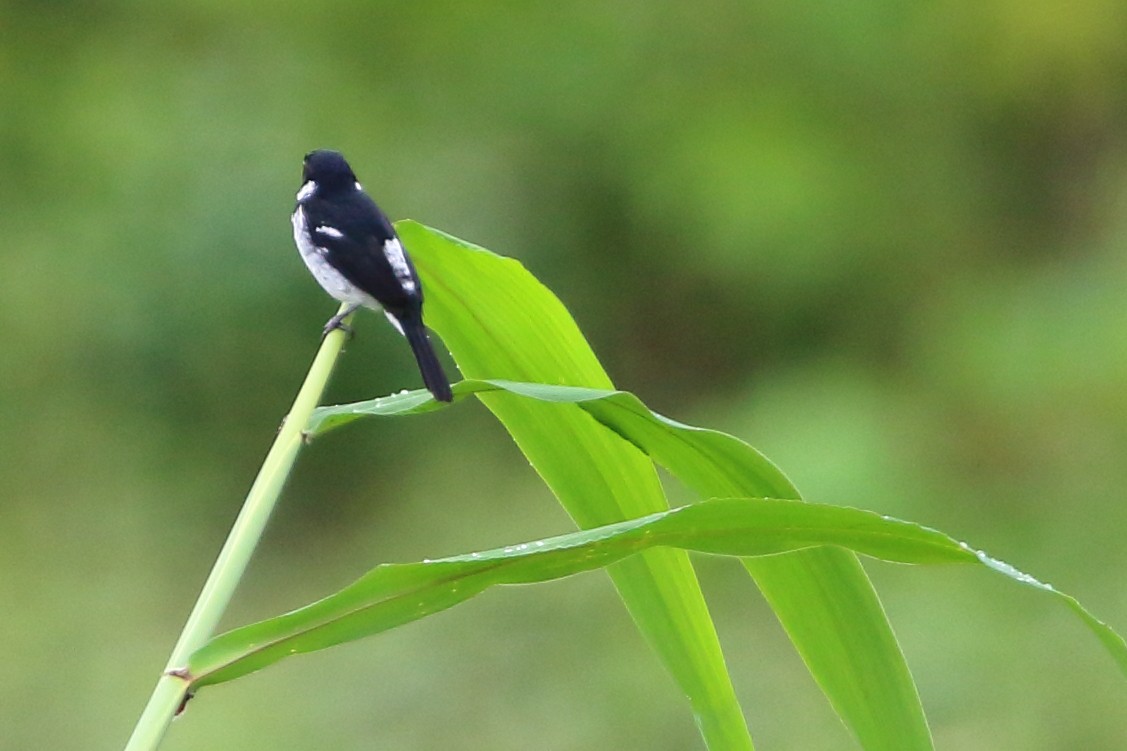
[328, 169]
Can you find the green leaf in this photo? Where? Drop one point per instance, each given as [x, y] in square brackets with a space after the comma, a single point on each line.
[393, 594]
[500, 322]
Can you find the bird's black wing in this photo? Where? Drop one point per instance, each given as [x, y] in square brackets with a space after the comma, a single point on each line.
[356, 235]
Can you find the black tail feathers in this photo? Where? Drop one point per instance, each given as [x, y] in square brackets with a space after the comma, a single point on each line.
[434, 377]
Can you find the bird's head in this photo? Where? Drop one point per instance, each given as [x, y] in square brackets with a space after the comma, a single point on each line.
[326, 171]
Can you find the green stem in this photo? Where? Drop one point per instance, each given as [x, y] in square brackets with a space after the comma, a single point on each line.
[236, 553]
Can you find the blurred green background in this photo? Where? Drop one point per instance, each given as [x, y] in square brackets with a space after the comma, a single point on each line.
[884, 242]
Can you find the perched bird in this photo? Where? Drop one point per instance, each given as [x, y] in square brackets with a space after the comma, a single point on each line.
[354, 254]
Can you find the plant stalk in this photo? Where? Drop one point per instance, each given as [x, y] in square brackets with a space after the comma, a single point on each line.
[170, 692]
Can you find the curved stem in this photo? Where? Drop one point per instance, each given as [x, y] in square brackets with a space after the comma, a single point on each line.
[171, 689]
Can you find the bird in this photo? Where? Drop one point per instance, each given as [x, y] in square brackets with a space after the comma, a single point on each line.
[353, 252]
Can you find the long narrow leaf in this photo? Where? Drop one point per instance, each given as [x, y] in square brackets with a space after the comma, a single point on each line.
[499, 322]
[393, 594]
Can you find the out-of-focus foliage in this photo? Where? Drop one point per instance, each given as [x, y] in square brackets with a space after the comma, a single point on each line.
[884, 242]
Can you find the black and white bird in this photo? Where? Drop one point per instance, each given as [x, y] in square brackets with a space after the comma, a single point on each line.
[354, 254]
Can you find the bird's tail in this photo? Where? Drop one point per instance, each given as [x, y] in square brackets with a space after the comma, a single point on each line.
[434, 377]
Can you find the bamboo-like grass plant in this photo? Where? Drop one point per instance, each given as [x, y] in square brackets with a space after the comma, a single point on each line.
[597, 448]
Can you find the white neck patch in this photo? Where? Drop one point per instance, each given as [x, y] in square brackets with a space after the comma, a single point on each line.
[307, 190]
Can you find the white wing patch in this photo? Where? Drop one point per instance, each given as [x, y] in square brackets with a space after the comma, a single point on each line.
[393, 251]
[307, 190]
[330, 231]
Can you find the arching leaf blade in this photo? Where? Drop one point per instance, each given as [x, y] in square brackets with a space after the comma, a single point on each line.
[499, 321]
[394, 594]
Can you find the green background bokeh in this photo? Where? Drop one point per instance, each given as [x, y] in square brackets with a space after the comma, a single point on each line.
[886, 243]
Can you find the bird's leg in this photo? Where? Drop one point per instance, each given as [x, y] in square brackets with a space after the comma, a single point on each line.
[336, 322]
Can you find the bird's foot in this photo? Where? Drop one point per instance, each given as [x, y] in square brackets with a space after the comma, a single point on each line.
[337, 322]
